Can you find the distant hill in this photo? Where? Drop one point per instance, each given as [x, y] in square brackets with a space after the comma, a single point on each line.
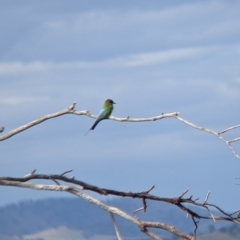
[218, 236]
[29, 218]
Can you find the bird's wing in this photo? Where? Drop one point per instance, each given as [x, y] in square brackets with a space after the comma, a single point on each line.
[104, 113]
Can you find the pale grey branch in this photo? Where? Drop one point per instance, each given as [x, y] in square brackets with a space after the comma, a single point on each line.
[38, 121]
[35, 186]
[216, 134]
[170, 229]
[234, 140]
[228, 129]
[71, 110]
[115, 227]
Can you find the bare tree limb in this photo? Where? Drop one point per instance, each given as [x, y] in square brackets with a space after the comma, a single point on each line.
[71, 110]
[216, 134]
[142, 225]
[228, 129]
[115, 227]
[183, 203]
[68, 110]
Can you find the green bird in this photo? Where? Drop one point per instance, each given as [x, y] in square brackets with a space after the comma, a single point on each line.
[104, 113]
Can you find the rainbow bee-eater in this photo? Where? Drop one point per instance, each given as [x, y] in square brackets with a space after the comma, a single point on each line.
[104, 113]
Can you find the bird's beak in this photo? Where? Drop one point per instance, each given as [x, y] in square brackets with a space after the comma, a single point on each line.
[114, 103]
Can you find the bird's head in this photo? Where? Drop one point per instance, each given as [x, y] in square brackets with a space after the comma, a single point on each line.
[110, 101]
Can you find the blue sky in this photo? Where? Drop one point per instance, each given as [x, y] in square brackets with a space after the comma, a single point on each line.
[149, 57]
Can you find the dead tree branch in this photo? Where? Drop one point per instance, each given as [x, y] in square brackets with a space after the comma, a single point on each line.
[76, 187]
[216, 134]
[68, 110]
[115, 227]
[112, 210]
[71, 110]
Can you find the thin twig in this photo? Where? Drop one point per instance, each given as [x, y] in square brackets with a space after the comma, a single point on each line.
[216, 134]
[115, 226]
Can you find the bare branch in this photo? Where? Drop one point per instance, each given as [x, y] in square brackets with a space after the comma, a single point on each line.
[139, 209]
[66, 172]
[184, 193]
[170, 229]
[207, 196]
[115, 227]
[142, 225]
[183, 203]
[144, 207]
[35, 186]
[150, 189]
[150, 119]
[234, 140]
[228, 129]
[216, 134]
[30, 174]
[71, 110]
[68, 110]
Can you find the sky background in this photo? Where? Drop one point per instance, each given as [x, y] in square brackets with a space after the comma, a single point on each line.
[149, 57]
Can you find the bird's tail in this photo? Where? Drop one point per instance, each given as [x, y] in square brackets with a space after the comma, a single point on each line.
[92, 127]
[87, 132]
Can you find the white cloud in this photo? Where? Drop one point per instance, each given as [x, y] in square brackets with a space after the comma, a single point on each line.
[173, 22]
[144, 59]
[16, 100]
[132, 60]
[228, 91]
[12, 68]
